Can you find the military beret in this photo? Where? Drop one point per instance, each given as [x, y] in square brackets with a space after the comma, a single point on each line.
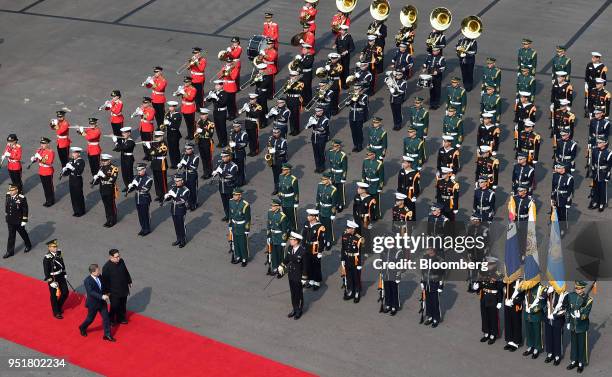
[60, 113]
[196, 49]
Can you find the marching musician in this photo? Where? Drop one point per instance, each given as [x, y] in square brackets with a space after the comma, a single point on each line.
[436, 39]
[74, 170]
[373, 56]
[253, 113]
[189, 163]
[488, 133]
[527, 57]
[308, 37]
[456, 96]
[306, 63]
[323, 96]
[320, 134]
[178, 194]
[205, 130]
[12, 153]
[227, 171]
[55, 276]
[491, 75]
[16, 211]
[270, 30]
[264, 84]
[219, 99]
[289, 194]
[561, 62]
[159, 165]
[595, 69]
[339, 19]
[338, 167]
[115, 106]
[333, 68]
[234, 51]
[358, 113]
[229, 74]
[277, 151]
[147, 114]
[281, 115]
[106, 177]
[188, 94]
[419, 118]
[308, 13]
[414, 147]
[172, 126]
[398, 87]
[158, 84]
[197, 68]
[62, 130]
[467, 48]
[126, 147]
[403, 61]
[142, 184]
[378, 28]
[92, 134]
[238, 142]
[45, 156]
[344, 47]
[293, 92]
[270, 57]
[435, 65]
[351, 258]
[405, 36]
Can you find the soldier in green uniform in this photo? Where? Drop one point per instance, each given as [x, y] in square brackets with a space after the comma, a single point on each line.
[278, 230]
[532, 317]
[561, 62]
[491, 75]
[419, 118]
[338, 167]
[239, 227]
[456, 96]
[527, 56]
[289, 194]
[414, 147]
[326, 201]
[453, 125]
[377, 138]
[525, 83]
[490, 102]
[577, 309]
[372, 174]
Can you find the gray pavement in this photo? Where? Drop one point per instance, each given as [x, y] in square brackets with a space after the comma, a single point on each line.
[64, 53]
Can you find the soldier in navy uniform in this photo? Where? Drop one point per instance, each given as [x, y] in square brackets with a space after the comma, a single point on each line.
[227, 171]
[402, 61]
[55, 277]
[403, 215]
[562, 193]
[277, 149]
[107, 179]
[435, 65]
[253, 114]
[523, 201]
[476, 253]
[566, 150]
[219, 99]
[178, 195]
[447, 193]
[390, 280]
[172, 125]
[600, 172]
[491, 293]
[484, 200]
[595, 69]
[351, 258]
[16, 209]
[189, 163]
[364, 209]
[238, 142]
[306, 64]
[203, 138]
[345, 47]
[280, 114]
[513, 313]
[467, 48]
[398, 96]
[437, 223]
[523, 174]
[358, 114]
[74, 170]
[554, 319]
[126, 145]
[448, 155]
[142, 184]
[320, 134]
[599, 128]
[159, 164]
[313, 233]
[293, 266]
[364, 78]
[409, 182]
[432, 282]
[488, 166]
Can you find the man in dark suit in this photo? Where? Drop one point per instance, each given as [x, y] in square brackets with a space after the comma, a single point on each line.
[116, 281]
[96, 302]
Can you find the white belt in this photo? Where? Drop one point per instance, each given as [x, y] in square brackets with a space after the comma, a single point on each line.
[307, 70]
[116, 115]
[128, 154]
[229, 81]
[11, 160]
[491, 111]
[146, 121]
[413, 154]
[160, 158]
[188, 103]
[373, 179]
[197, 73]
[287, 195]
[453, 134]
[294, 95]
[238, 222]
[93, 143]
[222, 109]
[484, 207]
[156, 92]
[276, 231]
[418, 124]
[62, 137]
[352, 254]
[493, 291]
[337, 170]
[325, 205]
[55, 273]
[282, 123]
[44, 165]
[376, 146]
[251, 119]
[455, 103]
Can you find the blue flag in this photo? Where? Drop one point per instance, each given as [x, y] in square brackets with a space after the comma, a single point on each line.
[532, 258]
[555, 269]
[512, 257]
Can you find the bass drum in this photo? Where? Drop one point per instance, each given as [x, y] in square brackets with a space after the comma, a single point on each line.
[256, 44]
[424, 81]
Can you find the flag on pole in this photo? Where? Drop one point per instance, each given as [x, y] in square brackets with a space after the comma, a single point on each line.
[555, 269]
[532, 259]
[512, 257]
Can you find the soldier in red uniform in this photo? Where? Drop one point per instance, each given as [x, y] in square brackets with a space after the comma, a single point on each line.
[92, 134]
[270, 29]
[45, 156]
[270, 55]
[147, 114]
[115, 106]
[338, 19]
[235, 50]
[158, 84]
[197, 65]
[229, 74]
[12, 153]
[61, 127]
[188, 94]
[308, 38]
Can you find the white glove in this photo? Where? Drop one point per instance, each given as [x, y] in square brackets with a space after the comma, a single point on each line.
[550, 316]
[23, 223]
[274, 111]
[283, 244]
[457, 145]
[333, 217]
[577, 313]
[422, 286]
[81, 129]
[101, 174]
[550, 289]
[246, 233]
[397, 282]
[218, 170]
[114, 139]
[586, 88]
[229, 49]
[214, 95]
[199, 130]
[6, 154]
[281, 270]
[359, 267]
[568, 206]
[494, 187]
[319, 256]
[182, 91]
[413, 200]
[439, 290]
[180, 165]
[455, 211]
[131, 185]
[38, 156]
[301, 41]
[54, 122]
[166, 122]
[147, 144]
[232, 144]
[343, 181]
[245, 107]
[104, 297]
[508, 302]
[568, 325]
[498, 306]
[475, 286]
[295, 205]
[271, 150]
[53, 285]
[69, 166]
[33, 158]
[327, 67]
[298, 57]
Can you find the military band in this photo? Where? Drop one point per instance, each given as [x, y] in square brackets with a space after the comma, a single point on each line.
[142, 185]
[115, 107]
[205, 129]
[238, 142]
[219, 99]
[74, 170]
[178, 196]
[398, 87]
[171, 123]
[44, 156]
[252, 122]
[157, 83]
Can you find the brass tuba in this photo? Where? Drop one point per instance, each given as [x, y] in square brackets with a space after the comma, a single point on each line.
[380, 9]
[295, 40]
[409, 16]
[471, 27]
[268, 156]
[223, 55]
[346, 6]
[440, 18]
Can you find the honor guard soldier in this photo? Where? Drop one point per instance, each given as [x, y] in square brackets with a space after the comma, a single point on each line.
[44, 156]
[436, 39]
[525, 82]
[599, 128]
[561, 62]
[157, 83]
[345, 47]
[467, 48]
[527, 57]
[239, 140]
[115, 106]
[414, 148]
[566, 150]
[203, 138]
[338, 167]
[563, 120]
[456, 96]
[364, 78]
[595, 69]
[452, 125]
[437, 223]
[390, 279]
[219, 99]
[600, 172]
[107, 179]
[277, 232]
[270, 29]
[525, 110]
[326, 203]
[74, 170]
[289, 194]
[490, 102]
[147, 114]
[599, 98]
[484, 200]
[476, 253]
[448, 156]
[230, 74]
[513, 313]
[55, 276]
[142, 184]
[532, 316]
[523, 174]
[189, 104]
[239, 227]
[488, 133]
[409, 182]
[306, 63]
[280, 114]
[126, 146]
[553, 323]
[487, 166]
[62, 131]
[276, 155]
[561, 90]
[372, 55]
[293, 91]
[522, 202]
[252, 122]
[447, 193]
[403, 61]
[432, 283]
[435, 65]
[419, 118]
[189, 164]
[377, 139]
[578, 306]
[358, 114]
[397, 98]
[172, 126]
[403, 215]
[562, 193]
[529, 143]
[92, 134]
[372, 172]
[364, 209]
[293, 266]
[179, 196]
[16, 211]
[491, 76]
[319, 124]
[351, 259]
[227, 171]
[313, 234]
[269, 57]
[491, 296]
[159, 166]
[197, 68]
[12, 153]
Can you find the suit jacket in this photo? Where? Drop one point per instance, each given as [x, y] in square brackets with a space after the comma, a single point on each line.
[94, 293]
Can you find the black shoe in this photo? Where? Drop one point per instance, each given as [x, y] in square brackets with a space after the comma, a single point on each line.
[580, 369]
[347, 297]
[106, 225]
[7, 255]
[385, 309]
[175, 243]
[291, 314]
[123, 322]
[601, 209]
[58, 316]
[307, 285]
[571, 366]
[82, 331]
[235, 261]
[548, 359]
[109, 338]
[513, 349]
[484, 339]
[275, 192]
[224, 219]
[535, 355]
[46, 205]
[27, 249]
[356, 299]
[557, 362]
[592, 205]
[244, 263]
[507, 347]
[528, 352]
[491, 341]
[181, 245]
[435, 324]
[110, 225]
[145, 233]
[140, 233]
[393, 311]
[297, 315]
[316, 288]
[355, 149]
[427, 322]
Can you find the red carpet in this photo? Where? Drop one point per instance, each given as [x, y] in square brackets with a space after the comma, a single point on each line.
[145, 347]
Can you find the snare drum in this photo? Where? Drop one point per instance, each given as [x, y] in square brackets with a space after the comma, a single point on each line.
[256, 44]
[424, 81]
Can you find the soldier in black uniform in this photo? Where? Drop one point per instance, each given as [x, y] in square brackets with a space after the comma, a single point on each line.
[364, 209]
[594, 70]
[432, 283]
[306, 63]
[566, 149]
[403, 215]
[601, 166]
[523, 174]
[364, 78]
[263, 88]
[252, 121]
[345, 47]
[142, 184]
[390, 281]
[476, 253]
[523, 203]
[126, 145]
[219, 99]
[281, 114]
[227, 171]
[16, 209]
[293, 266]
[55, 276]
[378, 29]
[313, 234]
[403, 61]
[484, 200]
[467, 48]
[159, 165]
[372, 56]
[488, 133]
[238, 142]
[513, 313]
[293, 93]
[277, 150]
[409, 182]
[358, 114]
[178, 195]
[529, 142]
[172, 125]
[333, 73]
[437, 223]
[447, 194]
[189, 163]
[435, 65]
[563, 119]
[74, 170]
[448, 155]
[397, 98]
[107, 179]
[436, 39]
[554, 319]
[203, 137]
[487, 166]
[351, 258]
[599, 98]
[524, 110]
[320, 134]
[561, 194]
[491, 290]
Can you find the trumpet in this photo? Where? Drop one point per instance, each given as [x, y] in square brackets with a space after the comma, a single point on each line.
[104, 105]
[137, 112]
[148, 80]
[179, 91]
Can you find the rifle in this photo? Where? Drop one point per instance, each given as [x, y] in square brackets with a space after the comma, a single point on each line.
[268, 261]
[381, 293]
[422, 306]
[230, 240]
[343, 276]
[589, 158]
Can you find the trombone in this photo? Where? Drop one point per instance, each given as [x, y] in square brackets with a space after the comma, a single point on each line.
[188, 63]
[285, 87]
[320, 95]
